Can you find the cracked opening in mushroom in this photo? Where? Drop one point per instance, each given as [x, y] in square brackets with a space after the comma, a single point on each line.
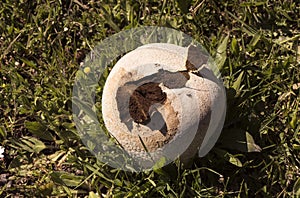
[191, 68]
[137, 100]
[142, 105]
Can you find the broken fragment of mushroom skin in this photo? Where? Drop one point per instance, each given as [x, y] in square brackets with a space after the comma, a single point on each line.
[159, 101]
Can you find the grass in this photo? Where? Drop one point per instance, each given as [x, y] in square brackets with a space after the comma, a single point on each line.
[255, 45]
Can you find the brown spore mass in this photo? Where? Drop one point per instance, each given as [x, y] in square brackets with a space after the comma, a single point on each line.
[142, 99]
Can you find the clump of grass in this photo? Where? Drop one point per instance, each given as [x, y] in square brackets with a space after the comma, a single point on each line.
[255, 45]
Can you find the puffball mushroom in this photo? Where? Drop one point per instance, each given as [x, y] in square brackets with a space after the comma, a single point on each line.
[162, 100]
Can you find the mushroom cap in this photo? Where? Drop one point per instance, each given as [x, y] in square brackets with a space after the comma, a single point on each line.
[159, 101]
